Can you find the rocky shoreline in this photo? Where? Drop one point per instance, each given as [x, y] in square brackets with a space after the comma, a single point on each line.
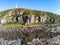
[47, 32]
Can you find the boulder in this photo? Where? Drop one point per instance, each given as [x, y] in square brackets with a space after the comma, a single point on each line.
[32, 19]
[37, 19]
[3, 21]
[20, 19]
[44, 19]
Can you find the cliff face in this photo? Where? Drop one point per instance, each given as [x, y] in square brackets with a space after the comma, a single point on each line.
[25, 16]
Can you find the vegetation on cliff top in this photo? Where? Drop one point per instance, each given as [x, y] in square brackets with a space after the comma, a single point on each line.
[33, 12]
[29, 12]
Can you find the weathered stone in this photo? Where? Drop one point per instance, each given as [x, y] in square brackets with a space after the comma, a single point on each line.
[44, 19]
[10, 13]
[20, 19]
[32, 18]
[37, 19]
[21, 12]
[3, 21]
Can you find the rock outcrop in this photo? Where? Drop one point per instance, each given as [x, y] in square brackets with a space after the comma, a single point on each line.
[16, 15]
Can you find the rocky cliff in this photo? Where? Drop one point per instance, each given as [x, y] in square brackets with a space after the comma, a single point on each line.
[27, 16]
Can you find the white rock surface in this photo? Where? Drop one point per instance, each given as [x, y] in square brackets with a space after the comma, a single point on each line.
[3, 21]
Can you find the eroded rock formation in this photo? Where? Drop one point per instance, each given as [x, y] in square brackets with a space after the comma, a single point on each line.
[25, 17]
